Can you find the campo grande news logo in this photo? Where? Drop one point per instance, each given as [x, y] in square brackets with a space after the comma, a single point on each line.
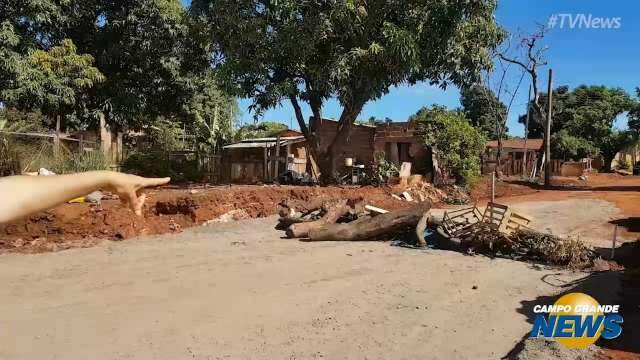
[576, 320]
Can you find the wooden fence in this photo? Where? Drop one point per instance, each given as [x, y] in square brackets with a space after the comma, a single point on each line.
[514, 167]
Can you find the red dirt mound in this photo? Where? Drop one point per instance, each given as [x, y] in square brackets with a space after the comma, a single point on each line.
[167, 210]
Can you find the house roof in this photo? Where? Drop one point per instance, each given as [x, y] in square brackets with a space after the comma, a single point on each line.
[265, 142]
[532, 144]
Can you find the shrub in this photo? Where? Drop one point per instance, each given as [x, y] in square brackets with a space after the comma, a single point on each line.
[623, 164]
[80, 162]
[159, 164]
[455, 143]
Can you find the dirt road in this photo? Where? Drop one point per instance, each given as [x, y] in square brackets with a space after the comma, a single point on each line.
[239, 291]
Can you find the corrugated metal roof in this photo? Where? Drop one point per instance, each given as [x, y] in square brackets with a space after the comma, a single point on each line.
[249, 145]
[273, 139]
[264, 142]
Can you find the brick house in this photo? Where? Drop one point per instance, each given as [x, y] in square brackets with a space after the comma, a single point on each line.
[262, 160]
[397, 142]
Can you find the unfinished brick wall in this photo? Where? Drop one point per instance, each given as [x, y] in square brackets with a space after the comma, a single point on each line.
[398, 141]
[402, 141]
[359, 145]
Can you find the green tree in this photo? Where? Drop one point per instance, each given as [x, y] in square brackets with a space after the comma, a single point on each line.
[353, 50]
[50, 81]
[586, 111]
[211, 114]
[263, 129]
[587, 114]
[143, 49]
[536, 122]
[634, 114]
[613, 142]
[26, 25]
[568, 147]
[485, 111]
[455, 143]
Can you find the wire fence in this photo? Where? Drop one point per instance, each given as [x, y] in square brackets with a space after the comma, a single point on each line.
[28, 152]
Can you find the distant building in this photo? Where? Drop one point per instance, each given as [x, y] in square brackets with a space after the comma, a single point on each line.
[512, 155]
[396, 142]
[262, 160]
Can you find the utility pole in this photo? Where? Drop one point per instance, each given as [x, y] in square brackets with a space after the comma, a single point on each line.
[526, 135]
[547, 132]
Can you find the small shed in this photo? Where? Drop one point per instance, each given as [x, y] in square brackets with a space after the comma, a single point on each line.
[263, 159]
[512, 158]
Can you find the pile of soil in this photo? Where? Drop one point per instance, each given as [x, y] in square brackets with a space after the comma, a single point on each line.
[167, 210]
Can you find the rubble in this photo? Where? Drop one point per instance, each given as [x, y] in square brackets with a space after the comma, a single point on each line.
[233, 215]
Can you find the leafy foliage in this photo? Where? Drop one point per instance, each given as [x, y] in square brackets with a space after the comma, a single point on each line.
[385, 170]
[569, 147]
[51, 80]
[634, 114]
[159, 164]
[211, 113]
[79, 162]
[612, 143]
[586, 111]
[483, 108]
[260, 130]
[583, 119]
[353, 50]
[138, 47]
[624, 164]
[456, 144]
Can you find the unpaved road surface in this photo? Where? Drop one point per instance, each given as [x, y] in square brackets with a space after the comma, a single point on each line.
[590, 220]
[239, 291]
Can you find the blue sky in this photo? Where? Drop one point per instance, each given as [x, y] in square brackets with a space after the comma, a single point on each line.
[578, 56]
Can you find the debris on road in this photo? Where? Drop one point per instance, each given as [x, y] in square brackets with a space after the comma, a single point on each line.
[331, 214]
[233, 215]
[501, 231]
[529, 245]
[375, 210]
[371, 228]
[344, 221]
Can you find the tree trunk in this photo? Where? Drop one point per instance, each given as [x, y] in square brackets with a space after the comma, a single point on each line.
[301, 230]
[343, 133]
[607, 160]
[372, 228]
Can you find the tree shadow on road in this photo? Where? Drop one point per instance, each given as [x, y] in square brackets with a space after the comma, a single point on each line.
[632, 224]
[567, 187]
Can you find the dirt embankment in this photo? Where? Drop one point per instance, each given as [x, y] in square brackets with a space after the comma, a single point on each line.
[167, 210]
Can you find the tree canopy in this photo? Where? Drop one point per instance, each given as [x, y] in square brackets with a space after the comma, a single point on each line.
[483, 108]
[583, 120]
[352, 50]
[586, 111]
[153, 57]
[52, 80]
[456, 144]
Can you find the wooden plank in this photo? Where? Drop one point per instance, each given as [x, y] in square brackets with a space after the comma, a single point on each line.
[265, 168]
[375, 209]
[276, 163]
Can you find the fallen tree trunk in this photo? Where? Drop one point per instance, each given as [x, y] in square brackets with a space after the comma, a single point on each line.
[370, 228]
[333, 213]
